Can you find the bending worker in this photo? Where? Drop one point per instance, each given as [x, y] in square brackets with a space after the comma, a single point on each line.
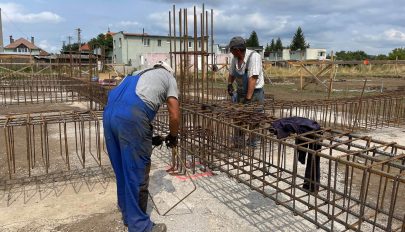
[131, 107]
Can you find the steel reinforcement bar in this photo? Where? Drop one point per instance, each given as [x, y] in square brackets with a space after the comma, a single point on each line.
[348, 182]
[42, 143]
[51, 89]
[355, 113]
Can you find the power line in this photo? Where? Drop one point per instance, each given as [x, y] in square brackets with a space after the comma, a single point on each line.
[3, 12]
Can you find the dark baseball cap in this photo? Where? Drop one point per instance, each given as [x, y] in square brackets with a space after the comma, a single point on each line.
[237, 42]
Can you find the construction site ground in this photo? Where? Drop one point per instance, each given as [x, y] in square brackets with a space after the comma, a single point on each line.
[85, 199]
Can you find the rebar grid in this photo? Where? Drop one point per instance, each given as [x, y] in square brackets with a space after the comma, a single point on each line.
[42, 143]
[51, 89]
[372, 112]
[369, 112]
[361, 178]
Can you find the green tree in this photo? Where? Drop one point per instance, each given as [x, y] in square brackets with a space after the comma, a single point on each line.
[253, 40]
[74, 47]
[279, 45]
[267, 49]
[298, 41]
[272, 45]
[349, 55]
[397, 52]
[380, 57]
[104, 41]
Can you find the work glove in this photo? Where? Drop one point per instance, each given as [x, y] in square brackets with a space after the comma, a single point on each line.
[157, 140]
[230, 89]
[171, 141]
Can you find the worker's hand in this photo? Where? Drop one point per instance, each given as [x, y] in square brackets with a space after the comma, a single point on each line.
[171, 141]
[247, 101]
[157, 140]
[230, 89]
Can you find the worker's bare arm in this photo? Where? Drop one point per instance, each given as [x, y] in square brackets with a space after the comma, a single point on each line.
[174, 115]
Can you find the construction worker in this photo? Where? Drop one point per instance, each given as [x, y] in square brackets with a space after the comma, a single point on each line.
[131, 107]
[246, 68]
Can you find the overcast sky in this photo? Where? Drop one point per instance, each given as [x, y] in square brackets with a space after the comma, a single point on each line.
[373, 26]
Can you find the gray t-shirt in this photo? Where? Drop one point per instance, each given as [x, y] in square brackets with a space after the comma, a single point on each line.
[155, 86]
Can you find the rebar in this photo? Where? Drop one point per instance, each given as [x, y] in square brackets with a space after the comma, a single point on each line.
[50, 141]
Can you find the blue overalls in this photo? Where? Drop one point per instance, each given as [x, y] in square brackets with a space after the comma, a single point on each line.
[128, 135]
[242, 79]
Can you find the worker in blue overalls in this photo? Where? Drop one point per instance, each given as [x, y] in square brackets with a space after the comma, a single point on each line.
[247, 70]
[130, 109]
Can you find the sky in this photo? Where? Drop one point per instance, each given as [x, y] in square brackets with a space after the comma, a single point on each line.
[373, 26]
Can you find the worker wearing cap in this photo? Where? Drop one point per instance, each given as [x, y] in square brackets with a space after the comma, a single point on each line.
[246, 69]
[130, 109]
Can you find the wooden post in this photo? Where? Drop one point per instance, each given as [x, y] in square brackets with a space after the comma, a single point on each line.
[396, 66]
[301, 78]
[332, 68]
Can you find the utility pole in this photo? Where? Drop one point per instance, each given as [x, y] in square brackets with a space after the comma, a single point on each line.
[70, 55]
[80, 51]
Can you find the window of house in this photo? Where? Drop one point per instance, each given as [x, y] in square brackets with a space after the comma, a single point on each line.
[321, 54]
[120, 42]
[146, 42]
[189, 44]
[22, 49]
[159, 43]
[114, 44]
[199, 44]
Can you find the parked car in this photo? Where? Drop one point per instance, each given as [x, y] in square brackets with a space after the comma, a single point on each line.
[108, 82]
[94, 79]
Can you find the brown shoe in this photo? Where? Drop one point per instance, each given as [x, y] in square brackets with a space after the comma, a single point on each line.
[160, 227]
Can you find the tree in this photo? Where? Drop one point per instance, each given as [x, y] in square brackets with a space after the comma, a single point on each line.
[272, 45]
[253, 41]
[397, 52]
[267, 49]
[102, 40]
[380, 57]
[298, 41]
[74, 47]
[357, 55]
[279, 45]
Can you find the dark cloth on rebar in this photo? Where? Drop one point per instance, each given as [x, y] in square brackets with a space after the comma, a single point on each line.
[282, 128]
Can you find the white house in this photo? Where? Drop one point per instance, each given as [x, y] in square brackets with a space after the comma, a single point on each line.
[22, 46]
[138, 51]
[307, 54]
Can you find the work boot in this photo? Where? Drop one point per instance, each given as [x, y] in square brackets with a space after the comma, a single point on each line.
[160, 227]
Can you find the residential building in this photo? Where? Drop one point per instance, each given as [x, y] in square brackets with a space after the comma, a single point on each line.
[138, 51]
[22, 46]
[307, 54]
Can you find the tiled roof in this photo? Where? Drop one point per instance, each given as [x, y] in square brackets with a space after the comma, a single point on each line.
[85, 47]
[23, 41]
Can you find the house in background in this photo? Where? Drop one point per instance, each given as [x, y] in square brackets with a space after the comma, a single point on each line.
[307, 54]
[22, 46]
[137, 51]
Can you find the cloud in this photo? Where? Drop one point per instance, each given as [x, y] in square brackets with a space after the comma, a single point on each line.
[395, 35]
[128, 24]
[45, 45]
[16, 13]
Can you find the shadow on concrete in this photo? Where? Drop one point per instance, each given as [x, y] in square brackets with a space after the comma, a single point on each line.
[55, 184]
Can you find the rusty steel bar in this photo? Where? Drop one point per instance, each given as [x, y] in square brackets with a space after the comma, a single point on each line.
[64, 140]
[361, 178]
